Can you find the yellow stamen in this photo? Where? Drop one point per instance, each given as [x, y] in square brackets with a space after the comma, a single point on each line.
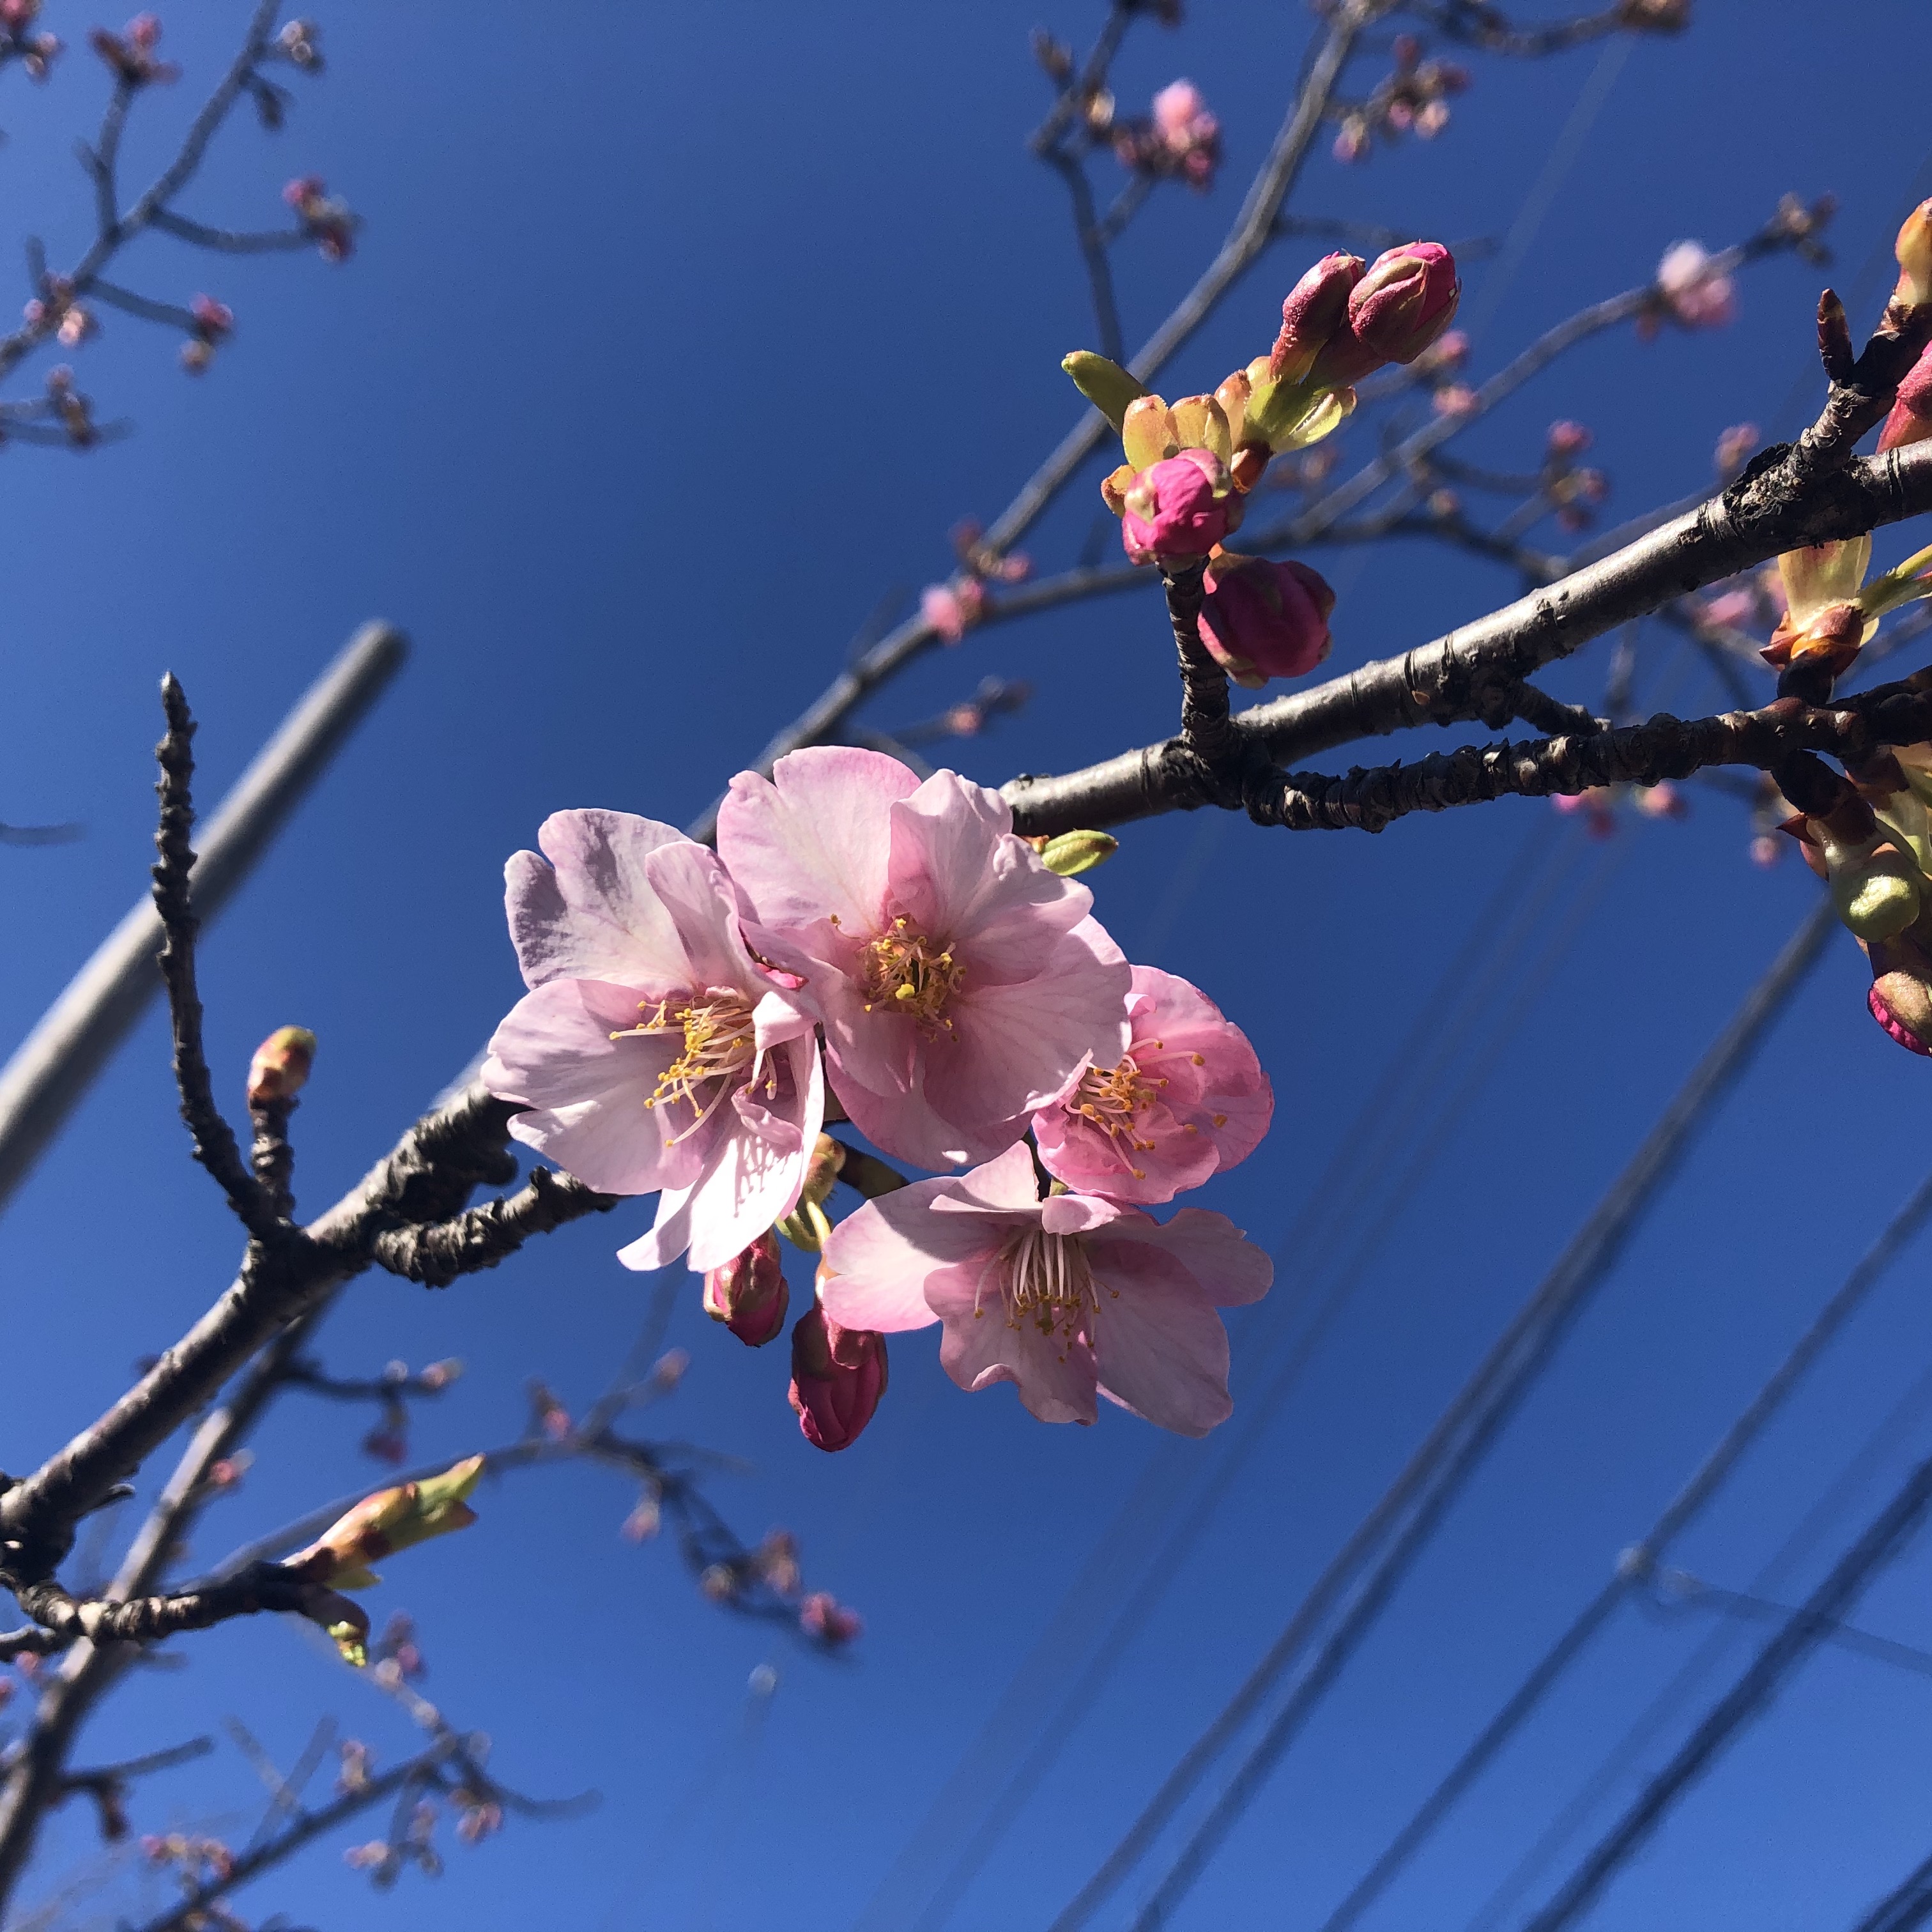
[720, 1043]
[916, 973]
[1108, 1098]
[1046, 1279]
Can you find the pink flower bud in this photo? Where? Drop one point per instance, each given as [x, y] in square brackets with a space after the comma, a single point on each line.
[1176, 109]
[1693, 293]
[1316, 307]
[1911, 418]
[281, 1067]
[1263, 619]
[1182, 506]
[212, 319]
[822, 1615]
[748, 1293]
[838, 1375]
[1405, 299]
[1566, 440]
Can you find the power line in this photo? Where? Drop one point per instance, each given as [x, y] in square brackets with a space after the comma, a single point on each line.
[1639, 1563]
[1885, 1539]
[1449, 1453]
[1905, 1909]
[1254, 1420]
[1436, 1037]
[1878, 1445]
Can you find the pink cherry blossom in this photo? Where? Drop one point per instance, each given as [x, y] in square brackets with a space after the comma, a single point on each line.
[1696, 295]
[1187, 1099]
[655, 1054]
[1065, 1298]
[962, 985]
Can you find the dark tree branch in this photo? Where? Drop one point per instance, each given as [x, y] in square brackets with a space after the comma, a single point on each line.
[214, 1144]
[1465, 676]
[230, 241]
[480, 1238]
[262, 1586]
[1474, 24]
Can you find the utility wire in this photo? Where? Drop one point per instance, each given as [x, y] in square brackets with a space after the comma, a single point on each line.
[1884, 1540]
[1907, 1908]
[1443, 1022]
[1450, 1451]
[1255, 1419]
[1836, 1499]
[1639, 1563]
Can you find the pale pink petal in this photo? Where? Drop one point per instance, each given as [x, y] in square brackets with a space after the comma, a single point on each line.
[1080, 1213]
[981, 1346]
[1159, 1348]
[1006, 1185]
[878, 1259]
[554, 1051]
[698, 897]
[1017, 1046]
[669, 1235]
[747, 1184]
[812, 840]
[589, 913]
[903, 1124]
[1229, 1269]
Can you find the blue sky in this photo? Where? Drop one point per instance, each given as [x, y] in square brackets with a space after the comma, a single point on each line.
[677, 338]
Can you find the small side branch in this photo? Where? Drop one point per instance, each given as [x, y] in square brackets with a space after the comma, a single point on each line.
[215, 1143]
[480, 1238]
[1206, 728]
[67, 1620]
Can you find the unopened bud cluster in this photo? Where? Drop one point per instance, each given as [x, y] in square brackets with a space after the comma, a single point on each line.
[1413, 98]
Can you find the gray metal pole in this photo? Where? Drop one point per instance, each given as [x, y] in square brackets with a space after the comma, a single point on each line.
[54, 1066]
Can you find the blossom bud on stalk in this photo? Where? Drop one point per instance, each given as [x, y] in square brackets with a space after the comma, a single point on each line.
[280, 1070]
[1316, 309]
[1181, 507]
[838, 1375]
[1261, 619]
[748, 1293]
[1406, 298]
[1914, 251]
[822, 1615]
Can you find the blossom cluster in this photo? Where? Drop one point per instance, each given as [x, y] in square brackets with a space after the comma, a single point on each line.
[1191, 465]
[1413, 99]
[863, 938]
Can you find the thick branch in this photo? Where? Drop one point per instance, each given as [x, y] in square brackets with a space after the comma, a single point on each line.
[262, 1586]
[1774, 739]
[1468, 674]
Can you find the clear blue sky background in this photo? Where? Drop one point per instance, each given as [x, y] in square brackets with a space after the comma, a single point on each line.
[677, 338]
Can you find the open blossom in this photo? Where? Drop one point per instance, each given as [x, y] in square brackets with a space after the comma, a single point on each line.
[656, 1054]
[1187, 1099]
[1065, 1297]
[1696, 295]
[962, 984]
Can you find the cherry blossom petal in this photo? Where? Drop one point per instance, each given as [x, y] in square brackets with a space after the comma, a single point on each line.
[811, 840]
[589, 913]
[697, 895]
[981, 1346]
[1228, 1268]
[1159, 1348]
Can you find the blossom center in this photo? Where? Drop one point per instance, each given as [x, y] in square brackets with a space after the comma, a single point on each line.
[1046, 1279]
[720, 1044]
[907, 972]
[1109, 1097]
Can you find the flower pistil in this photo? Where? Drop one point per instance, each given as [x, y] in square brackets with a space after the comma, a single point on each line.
[917, 973]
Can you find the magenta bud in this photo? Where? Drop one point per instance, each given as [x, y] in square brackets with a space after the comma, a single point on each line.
[1182, 506]
[1911, 418]
[838, 1375]
[748, 1293]
[1900, 999]
[1317, 306]
[1405, 300]
[1261, 619]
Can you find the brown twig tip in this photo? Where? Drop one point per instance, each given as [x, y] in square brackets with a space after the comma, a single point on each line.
[213, 1141]
[1834, 338]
